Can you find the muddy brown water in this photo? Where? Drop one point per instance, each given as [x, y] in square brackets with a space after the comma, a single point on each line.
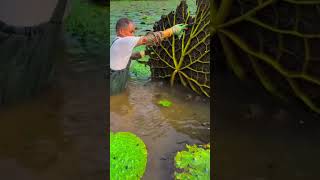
[60, 134]
[164, 130]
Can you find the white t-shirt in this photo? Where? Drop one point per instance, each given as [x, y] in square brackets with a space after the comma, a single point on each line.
[121, 50]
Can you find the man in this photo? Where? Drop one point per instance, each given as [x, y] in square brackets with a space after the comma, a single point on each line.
[122, 47]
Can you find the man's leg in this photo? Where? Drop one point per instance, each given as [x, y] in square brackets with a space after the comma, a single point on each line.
[118, 81]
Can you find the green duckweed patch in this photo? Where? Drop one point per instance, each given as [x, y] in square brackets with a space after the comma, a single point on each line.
[128, 156]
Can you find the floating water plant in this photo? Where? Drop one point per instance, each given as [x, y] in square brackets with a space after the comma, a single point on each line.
[165, 103]
[186, 59]
[138, 69]
[274, 41]
[193, 162]
[128, 156]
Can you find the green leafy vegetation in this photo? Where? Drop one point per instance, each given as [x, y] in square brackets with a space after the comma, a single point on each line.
[194, 163]
[273, 41]
[187, 59]
[140, 70]
[128, 156]
[88, 23]
[165, 103]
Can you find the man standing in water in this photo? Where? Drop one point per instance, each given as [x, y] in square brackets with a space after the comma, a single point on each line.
[122, 47]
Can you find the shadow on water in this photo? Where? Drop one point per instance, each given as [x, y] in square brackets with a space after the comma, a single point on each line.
[259, 137]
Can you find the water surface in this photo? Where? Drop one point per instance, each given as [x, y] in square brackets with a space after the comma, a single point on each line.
[61, 133]
[164, 130]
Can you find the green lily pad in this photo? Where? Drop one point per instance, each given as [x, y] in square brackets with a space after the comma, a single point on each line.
[165, 103]
[194, 163]
[128, 156]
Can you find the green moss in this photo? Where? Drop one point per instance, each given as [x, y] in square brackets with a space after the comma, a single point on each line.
[194, 163]
[128, 156]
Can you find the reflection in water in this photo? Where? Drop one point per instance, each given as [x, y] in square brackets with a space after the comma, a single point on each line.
[164, 130]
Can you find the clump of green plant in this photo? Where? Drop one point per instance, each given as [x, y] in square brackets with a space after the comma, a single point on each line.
[128, 156]
[165, 103]
[138, 68]
[194, 163]
[88, 23]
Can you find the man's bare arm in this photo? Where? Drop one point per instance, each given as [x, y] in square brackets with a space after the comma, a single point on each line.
[155, 37]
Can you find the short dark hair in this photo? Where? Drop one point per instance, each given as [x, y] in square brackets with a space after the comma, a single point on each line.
[122, 23]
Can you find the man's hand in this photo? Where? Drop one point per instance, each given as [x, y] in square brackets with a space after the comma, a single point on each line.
[142, 54]
[179, 29]
[137, 55]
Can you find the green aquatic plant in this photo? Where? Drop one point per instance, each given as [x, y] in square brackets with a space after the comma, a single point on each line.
[274, 41]
[194, 163]
[128, 156]
[139, 69]
[186, 59]
[88, 23]
[165, 103]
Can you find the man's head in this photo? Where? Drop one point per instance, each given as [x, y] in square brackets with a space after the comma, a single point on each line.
[125, 27]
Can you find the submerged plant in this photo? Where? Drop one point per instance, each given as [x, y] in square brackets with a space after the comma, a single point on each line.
[275, 41]
[128, 156]
[194, 163]
[185, 59]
